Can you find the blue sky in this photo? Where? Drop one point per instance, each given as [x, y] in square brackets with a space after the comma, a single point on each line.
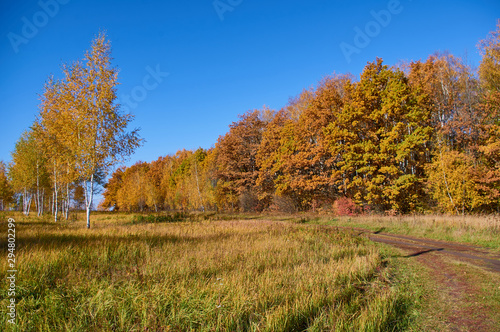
[223, 58]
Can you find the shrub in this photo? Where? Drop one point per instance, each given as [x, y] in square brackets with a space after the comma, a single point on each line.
[283, 204]
[176, 217]
[346, 207]
[249, 202]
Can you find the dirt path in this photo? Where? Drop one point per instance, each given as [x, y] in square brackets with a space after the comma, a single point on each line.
[455, 289]
[474, 255]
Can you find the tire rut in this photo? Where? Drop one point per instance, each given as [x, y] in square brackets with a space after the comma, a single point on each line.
[471, 254]
[454, 290]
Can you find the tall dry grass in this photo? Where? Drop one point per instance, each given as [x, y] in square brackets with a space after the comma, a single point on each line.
[248, 275]
[474, 229]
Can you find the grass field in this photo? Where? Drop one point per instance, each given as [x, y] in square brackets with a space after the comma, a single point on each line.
[478, 230]
[226, 275]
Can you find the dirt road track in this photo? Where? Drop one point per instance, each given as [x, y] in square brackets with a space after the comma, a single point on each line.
[455, 289]
[474, 255]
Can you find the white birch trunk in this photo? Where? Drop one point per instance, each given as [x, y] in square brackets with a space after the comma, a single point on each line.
[37, 190]
[26, 202]
[42, 202]
[198, 186]
[55, 194]
[66, 206]
[89, 195]
[29, 206]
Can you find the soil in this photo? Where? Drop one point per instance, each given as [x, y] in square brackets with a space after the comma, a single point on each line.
[457, 291]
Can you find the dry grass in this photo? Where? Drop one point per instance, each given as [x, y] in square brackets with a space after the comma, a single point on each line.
[479, 230]
[248, 275]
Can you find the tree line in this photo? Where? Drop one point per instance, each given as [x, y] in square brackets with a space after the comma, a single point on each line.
[416, 137]
[419, 136]
[78, 136]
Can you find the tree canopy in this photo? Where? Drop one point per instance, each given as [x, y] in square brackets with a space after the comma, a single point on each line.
[421, 136]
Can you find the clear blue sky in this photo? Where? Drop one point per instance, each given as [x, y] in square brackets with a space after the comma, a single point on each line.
[221, 62]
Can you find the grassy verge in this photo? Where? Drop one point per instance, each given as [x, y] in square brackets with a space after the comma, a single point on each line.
[249, 275]
[415, 284]
[479, 300]
[487, 290]
[478, 230]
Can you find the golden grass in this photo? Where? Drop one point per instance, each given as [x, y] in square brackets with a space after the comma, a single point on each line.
[246, 275]
[479, 230]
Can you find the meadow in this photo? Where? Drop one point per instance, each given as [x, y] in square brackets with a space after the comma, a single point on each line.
[207, 275]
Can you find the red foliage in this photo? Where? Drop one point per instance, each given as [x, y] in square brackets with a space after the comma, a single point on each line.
[346, 207]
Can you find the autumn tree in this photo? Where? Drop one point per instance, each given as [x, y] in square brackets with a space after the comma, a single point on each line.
[237, 167]
[380, 140]
[177, 193]
[6, 193]
[27, 171]
[197, 178]
[268, 158]
[452, 89]
[155, 197]
[78, 197]
[184, 181]
[453, 93]
[489, 148]
[406, 139]
[132, 194]
[80, 114]
[298, 104]
[208, 179]
[111, 188]
[48, 133]
[167, 186]
[187, 181]
[451, 177]
[293, 158]
[268, 152]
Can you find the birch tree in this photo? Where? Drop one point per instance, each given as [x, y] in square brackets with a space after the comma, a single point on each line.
[51, 133]
[88, 125]
[101, 136]
[22, 169]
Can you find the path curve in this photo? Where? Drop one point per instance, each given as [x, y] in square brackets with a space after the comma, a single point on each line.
[455, 289]
[474, 255]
